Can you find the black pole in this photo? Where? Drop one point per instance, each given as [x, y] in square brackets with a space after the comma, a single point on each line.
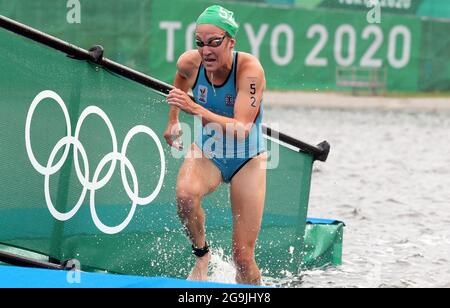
[17, 260]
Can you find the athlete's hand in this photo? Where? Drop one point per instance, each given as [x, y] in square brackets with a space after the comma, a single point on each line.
[179, 98]
[172, 135]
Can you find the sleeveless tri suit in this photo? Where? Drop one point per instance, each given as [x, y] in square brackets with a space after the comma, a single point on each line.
[227, 152]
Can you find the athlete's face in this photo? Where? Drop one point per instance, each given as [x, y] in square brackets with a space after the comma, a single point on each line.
[214, 46]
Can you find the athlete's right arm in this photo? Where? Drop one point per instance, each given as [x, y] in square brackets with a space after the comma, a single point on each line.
[182, 81]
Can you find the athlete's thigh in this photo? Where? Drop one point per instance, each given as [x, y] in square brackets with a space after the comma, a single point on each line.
[197, 173]
[248, 191]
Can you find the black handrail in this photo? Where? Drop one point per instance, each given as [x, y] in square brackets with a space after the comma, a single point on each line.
[17, 260]
[319, 152]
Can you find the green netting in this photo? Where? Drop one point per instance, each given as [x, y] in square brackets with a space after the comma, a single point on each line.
[435, 62]
[153, 243]
[434, 8]
[323, 245]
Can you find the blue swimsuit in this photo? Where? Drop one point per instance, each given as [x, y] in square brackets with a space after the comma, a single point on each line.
[226, 152]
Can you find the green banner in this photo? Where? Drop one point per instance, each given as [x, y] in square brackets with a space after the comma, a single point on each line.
[401, 7]
[423, 8]
[121, 27]
[85, 172]
[298, 49]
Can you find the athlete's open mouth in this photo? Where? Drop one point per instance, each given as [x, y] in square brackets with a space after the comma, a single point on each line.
[209, 60]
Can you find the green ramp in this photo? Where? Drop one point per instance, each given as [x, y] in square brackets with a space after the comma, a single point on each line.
[56, 97]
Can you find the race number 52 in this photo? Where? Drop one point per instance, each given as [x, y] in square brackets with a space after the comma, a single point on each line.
[226, 14]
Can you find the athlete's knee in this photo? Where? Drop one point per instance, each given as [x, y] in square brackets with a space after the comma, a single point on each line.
[187, 196]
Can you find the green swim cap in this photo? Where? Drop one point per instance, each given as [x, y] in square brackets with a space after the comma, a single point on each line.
[220, 17]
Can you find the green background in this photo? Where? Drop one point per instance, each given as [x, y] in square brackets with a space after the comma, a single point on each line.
[131, 33]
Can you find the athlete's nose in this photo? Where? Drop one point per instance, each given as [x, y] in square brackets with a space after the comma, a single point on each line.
[207, 51]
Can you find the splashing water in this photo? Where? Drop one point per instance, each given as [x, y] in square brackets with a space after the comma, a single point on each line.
[223, 270]
[222, 267]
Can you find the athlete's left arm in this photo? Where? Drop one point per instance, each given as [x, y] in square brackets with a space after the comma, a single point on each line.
[250, 87]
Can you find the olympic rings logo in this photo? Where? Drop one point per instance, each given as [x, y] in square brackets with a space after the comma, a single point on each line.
[96, 183]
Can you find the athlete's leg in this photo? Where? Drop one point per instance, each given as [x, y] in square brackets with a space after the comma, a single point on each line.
[248, 188]
[197, 177]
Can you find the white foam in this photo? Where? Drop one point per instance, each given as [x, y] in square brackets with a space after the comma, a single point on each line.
[222, 267]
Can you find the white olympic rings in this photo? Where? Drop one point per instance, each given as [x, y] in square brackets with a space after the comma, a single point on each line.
[96, 183]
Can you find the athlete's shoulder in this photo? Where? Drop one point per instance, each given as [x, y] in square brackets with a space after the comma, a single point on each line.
[249, 63]
[249, 67]
[188, 63]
